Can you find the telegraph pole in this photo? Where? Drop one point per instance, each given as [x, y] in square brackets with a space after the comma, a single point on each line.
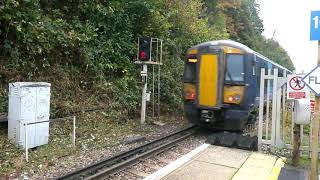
[315, 133]
[311, 80]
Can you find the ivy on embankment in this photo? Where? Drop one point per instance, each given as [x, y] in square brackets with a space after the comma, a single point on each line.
[85, 48]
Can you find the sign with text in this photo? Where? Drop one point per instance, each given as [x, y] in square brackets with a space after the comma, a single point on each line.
[315, 25]
[312, 80]
[296, 88]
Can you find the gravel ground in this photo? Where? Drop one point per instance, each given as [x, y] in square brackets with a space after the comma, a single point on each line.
[85, 158]
[147, 166]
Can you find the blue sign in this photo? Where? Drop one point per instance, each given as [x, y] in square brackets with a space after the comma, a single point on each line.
[315, 25]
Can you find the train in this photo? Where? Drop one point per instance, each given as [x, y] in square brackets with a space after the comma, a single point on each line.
[221, 84]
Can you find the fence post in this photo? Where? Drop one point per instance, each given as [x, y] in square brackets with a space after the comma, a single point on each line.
[268, 105]
[281, 85]
[261, 106]
[274, 107]
[296, 145]
[284, 108]
[74, 132]
[26, 140]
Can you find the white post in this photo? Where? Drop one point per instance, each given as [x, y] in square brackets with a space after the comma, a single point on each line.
[268, 106]
[284, 109]
[274, 107]
[278, 119]
[301, 137]
[144, 92]
[74, 132]
[261, 106]
[26, 140]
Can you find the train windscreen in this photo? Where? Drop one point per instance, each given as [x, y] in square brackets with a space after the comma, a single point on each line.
[235, 68]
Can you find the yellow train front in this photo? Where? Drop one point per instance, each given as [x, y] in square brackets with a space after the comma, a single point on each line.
[221, 84]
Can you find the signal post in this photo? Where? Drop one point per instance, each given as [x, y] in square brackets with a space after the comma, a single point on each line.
[144, 75]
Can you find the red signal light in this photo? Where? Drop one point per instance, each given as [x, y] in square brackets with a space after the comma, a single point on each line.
[143, 55]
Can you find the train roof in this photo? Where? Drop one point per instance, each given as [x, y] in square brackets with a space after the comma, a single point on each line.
[238, 45]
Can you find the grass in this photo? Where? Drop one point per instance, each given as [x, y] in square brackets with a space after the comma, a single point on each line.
[10, 156]
[305, 162]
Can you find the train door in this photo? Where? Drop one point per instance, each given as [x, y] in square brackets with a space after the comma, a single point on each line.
[251, 81]
[210, 83]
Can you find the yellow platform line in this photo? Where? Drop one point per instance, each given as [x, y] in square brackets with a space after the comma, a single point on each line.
[260, 166]
[277, 168]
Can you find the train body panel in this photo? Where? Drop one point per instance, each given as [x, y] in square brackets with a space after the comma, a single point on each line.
[208, 80]
[221, 84]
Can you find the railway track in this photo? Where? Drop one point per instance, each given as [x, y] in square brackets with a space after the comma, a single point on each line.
[112, 165]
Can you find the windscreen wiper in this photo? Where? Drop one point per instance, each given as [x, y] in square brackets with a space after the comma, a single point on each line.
[229, 75]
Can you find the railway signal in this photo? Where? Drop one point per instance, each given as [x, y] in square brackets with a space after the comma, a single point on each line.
[149, 53]
[144, 49]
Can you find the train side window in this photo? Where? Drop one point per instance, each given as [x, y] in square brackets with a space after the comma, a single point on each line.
[254, 66]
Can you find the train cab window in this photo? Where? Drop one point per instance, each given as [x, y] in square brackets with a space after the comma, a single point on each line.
[254, 66]
[235, 68]
[189, 72]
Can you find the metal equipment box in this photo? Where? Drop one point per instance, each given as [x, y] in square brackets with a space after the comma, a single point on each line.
[29, 102]
[302, 111]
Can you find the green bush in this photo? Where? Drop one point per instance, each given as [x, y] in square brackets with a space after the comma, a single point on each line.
[80, 46]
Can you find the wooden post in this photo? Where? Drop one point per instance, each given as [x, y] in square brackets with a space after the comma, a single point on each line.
[74, 132]
[296, 146]
[315, 133]
[296, 137]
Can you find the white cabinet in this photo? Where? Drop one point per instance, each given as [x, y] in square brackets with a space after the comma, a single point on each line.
[29, 102]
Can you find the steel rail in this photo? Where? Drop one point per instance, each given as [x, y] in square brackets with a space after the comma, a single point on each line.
[124, 159]
[118, 167]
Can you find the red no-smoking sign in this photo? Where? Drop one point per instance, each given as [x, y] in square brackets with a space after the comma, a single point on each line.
[296, 88]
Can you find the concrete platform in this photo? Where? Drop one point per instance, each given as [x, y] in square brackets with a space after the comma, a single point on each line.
[220, 163]
[293, 174]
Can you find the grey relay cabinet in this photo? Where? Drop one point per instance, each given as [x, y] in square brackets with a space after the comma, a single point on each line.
[29, 102]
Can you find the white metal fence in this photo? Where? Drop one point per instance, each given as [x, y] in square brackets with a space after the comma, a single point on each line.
[26, 124]
[276, 125]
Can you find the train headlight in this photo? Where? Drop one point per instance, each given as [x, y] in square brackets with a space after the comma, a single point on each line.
[234, 98]
[233, 94]
[189, 91]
